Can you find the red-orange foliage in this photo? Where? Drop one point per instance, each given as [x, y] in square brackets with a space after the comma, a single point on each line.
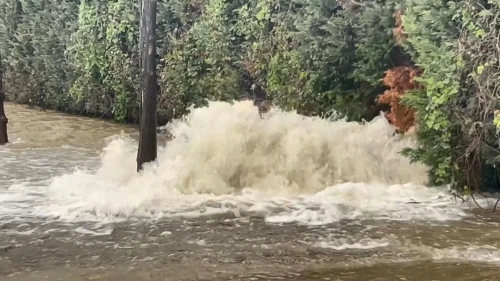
[399, 80]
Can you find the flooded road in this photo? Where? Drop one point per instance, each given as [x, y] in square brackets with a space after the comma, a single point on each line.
[232, 197]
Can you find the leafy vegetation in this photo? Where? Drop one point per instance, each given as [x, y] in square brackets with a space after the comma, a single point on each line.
[455, 43]
[317, 57]
[104, 52]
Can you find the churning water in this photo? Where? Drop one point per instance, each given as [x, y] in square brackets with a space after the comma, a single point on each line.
[284, 179]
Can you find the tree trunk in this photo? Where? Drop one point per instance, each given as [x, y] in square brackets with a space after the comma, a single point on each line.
[3, 119]
[148, 139]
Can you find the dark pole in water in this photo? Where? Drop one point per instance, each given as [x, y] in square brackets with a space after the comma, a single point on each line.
[148, 140]
[3, 119]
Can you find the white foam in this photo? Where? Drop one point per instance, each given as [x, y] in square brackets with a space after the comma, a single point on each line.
[473, 253]
[102, 232]
[341, 244]
[18, 233]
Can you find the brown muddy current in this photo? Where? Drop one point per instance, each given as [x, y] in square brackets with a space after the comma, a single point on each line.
[232, 197]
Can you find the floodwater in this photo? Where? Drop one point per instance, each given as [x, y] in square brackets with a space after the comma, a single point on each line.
[231, 197]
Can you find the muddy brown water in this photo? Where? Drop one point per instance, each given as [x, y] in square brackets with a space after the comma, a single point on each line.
[229, 246]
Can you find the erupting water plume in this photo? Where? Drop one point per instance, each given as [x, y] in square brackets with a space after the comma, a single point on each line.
[226, 147]
[226, 150]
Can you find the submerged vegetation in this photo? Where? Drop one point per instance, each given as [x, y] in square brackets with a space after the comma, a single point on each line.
[432, 65]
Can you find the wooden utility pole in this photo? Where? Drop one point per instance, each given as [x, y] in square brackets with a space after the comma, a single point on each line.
[4, 139]
[148, 87]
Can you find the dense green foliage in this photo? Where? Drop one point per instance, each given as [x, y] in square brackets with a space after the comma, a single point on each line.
[35, 35]
[318, 57]
[310, 56]
[103, 51]
[456, 43]
[431, 33]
